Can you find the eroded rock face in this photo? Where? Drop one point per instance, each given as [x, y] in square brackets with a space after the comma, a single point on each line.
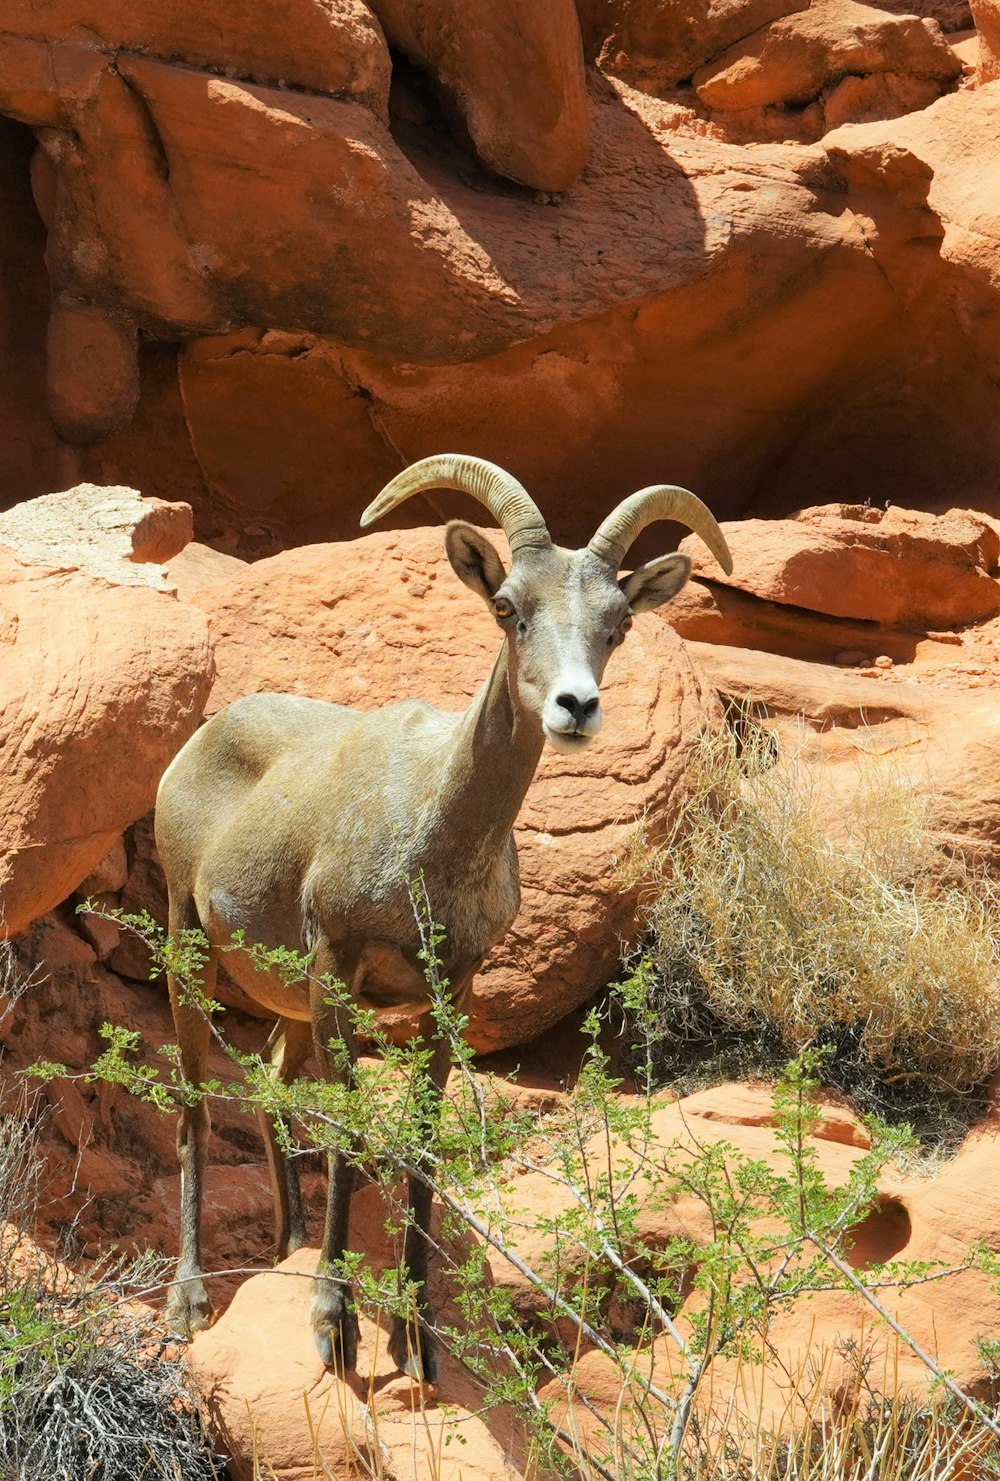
[191, 197]
[945, 747]
[384, 618]
[172, 192]
[515, 74]
[103, 680]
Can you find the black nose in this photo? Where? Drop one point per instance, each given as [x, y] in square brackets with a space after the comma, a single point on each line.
[579, 709]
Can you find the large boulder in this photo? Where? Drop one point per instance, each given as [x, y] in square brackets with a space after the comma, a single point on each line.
[104, 677]
[267, 1396]
[897, 567]
[791, 60]
[986, 14]
[385, 617]
[656, 46]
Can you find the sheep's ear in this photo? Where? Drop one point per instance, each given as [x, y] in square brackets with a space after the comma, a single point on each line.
[656, 582]
[473, 559]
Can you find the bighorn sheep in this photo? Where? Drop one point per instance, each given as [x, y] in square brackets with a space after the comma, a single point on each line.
[301, 823]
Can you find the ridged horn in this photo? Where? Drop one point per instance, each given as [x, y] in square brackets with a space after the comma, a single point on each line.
[624, 525]
[498, 491]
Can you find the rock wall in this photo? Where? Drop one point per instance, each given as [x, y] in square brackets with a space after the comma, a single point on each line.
[276, 278]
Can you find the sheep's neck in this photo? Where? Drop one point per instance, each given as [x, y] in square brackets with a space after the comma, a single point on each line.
[495, 754]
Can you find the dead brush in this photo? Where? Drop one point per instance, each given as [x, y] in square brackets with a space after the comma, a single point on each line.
[780, 920]
[87, 1390]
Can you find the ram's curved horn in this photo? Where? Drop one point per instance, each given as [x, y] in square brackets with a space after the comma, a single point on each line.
[625, 524]
[510, 505]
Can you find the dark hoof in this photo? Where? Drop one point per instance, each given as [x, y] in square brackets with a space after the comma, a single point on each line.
[338, 1346]
[413, 1352]
[189, 1309]
[335, 1329]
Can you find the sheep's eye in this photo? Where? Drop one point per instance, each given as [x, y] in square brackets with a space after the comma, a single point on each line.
[503, 609]
[623, 627]
[619, 632]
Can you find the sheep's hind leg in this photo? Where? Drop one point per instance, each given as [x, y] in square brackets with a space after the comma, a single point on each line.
[188, 1306]
[288, 1049]
[334, 1320]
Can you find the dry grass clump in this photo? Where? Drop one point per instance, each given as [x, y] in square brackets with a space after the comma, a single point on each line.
[897, 1439]
[772, 925]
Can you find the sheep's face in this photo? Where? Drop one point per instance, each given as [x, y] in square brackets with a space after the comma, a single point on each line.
[564, 612]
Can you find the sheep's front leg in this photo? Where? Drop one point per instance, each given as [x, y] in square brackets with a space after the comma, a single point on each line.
[188, 1306]
[334, 1320]
[411, 1343]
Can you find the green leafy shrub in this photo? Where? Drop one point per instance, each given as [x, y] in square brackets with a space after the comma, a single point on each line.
[779, 1233]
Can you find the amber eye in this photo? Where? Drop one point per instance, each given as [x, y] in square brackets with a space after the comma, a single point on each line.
[503, 608]
[623, 627]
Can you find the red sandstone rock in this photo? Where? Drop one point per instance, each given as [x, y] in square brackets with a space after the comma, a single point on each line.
[103, 681]
[328, 46]
[110, 1160]
[946, 747]
[655, 46]
[103, 935]
[758, 269]
[110, 874]
[896, 566]
[539, 1205]
[878, 95]
[922, 164]
[93, 372]
[708, 612]
[821, 346]
[986, 14]
[791, 60]
[384, 617]
[951, 15]
[113, 534]
[258, 1359]
[28, 452]
[515, 73]
[198, 566]
[936, 1219]
[268, 1398]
